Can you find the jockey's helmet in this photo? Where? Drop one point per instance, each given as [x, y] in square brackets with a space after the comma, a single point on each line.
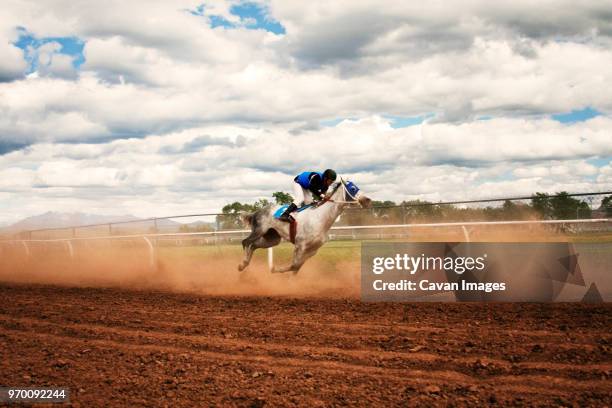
[329, 176]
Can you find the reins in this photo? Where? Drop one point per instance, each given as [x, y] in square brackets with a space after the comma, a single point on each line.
[346, 192]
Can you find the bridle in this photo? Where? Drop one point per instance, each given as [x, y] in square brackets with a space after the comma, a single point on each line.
[346, 193]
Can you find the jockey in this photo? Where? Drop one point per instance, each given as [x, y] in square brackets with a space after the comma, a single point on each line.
[308, 186]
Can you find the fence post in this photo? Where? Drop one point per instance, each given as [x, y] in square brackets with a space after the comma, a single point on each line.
[27, 250]
[270, 259]
[70, 249]
[466, 234]
[151, 252]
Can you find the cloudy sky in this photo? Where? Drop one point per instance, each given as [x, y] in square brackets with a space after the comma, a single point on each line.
[165, 107]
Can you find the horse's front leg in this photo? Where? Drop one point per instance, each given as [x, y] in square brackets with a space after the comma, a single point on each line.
[300, 254]
[298, 260]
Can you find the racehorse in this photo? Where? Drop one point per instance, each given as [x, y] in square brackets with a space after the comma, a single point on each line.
[310, 230]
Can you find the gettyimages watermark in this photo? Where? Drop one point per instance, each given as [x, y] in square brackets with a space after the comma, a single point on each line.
[504, 272]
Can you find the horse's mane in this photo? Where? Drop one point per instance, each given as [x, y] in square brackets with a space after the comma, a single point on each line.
[334, 187]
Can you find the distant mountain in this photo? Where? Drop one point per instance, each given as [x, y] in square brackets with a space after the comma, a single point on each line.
[64, 221]
[54, 219]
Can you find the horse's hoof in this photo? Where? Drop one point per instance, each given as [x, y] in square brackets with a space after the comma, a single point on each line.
[245, 277]
[240, 268]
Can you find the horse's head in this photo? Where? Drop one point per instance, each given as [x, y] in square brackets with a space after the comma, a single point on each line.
[352, 193]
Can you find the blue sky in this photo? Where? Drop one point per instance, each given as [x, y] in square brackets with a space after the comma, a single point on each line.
[252, 16]
[71, 46]
[397, 122]
[577, 115]
[401, 121]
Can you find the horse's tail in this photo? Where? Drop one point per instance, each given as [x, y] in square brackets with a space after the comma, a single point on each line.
[247, 219]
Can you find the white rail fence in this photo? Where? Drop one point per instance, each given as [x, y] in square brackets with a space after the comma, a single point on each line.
[153, 240]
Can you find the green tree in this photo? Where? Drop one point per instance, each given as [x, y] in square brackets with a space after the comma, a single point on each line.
[382, 212]
[566, 207]
[606, 205]
[418, 210]
[282, 198]
[230, 219]
[540, 202]
[386, 203]
[196, 227]
[510, 210]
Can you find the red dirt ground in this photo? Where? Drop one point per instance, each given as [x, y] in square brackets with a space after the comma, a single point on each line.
[116, 347]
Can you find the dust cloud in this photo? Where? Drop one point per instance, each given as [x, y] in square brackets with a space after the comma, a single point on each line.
[178, 269]
[212, 270]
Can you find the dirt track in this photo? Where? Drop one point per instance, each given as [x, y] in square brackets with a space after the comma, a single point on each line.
[130, 348]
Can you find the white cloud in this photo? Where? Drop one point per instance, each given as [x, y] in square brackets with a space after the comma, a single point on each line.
[167, 108]
[70, 174]
[434, 162]
[12, 64]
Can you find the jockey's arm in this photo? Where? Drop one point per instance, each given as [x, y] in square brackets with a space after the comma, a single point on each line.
[320, 199]
[318, 195]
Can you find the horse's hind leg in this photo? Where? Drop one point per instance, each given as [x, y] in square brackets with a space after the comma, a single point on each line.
[269, 239]
[249, 248]
[251, 238]
[250, 244]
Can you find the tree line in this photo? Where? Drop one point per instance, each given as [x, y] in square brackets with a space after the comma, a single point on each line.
[540, 206]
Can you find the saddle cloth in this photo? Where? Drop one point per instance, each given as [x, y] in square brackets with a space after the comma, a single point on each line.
[293, 224]
[282, 209]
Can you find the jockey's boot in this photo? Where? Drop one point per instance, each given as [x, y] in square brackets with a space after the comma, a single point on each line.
[286, 216]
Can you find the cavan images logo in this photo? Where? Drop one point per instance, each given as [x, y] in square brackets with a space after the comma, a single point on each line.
[413, 264]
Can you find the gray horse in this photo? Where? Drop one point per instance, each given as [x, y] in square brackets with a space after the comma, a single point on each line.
[312, 225]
